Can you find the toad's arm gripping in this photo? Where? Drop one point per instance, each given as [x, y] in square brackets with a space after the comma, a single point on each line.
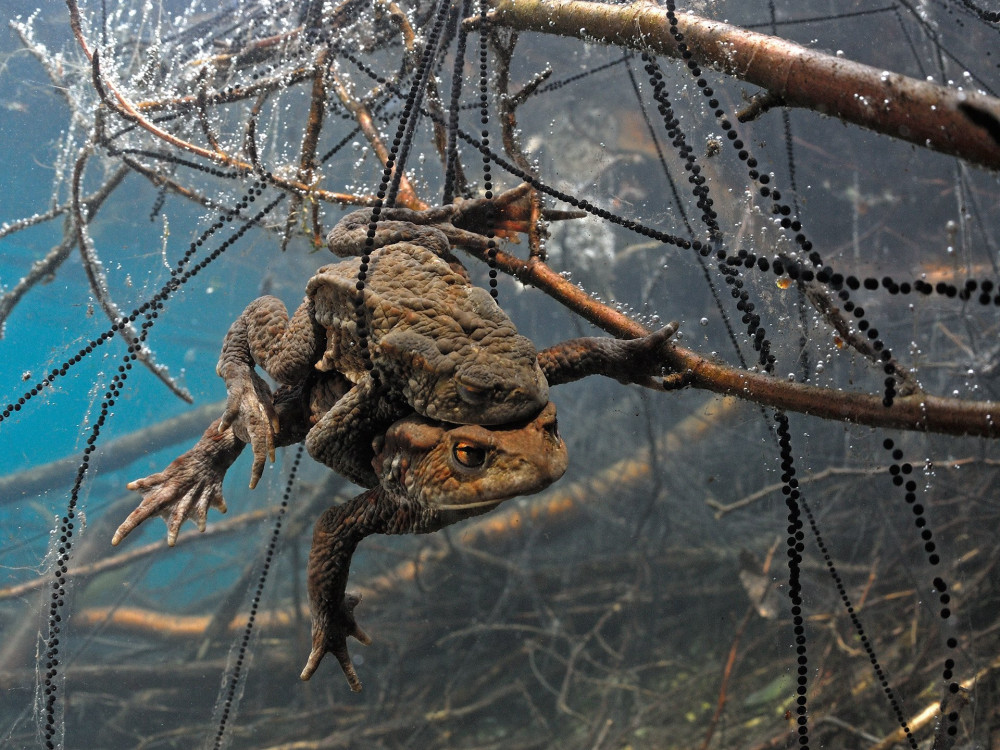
[626, 360]
[192, 483]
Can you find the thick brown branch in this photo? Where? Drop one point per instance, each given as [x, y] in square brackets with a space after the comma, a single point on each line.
[936, 117]
[114, 455]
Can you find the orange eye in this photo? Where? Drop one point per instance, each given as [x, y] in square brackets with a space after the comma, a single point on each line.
[469, 455]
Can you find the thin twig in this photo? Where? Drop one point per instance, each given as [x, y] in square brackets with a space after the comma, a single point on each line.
[44, 268]
[407, 197]
[99, 286]
[819, 297]
[727, 673]
[307, 153]
[504, 53]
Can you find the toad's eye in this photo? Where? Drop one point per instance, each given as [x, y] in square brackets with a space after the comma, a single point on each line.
[469, 455]
[471, 394]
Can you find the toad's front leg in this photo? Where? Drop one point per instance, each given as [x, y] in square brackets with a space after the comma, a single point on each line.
[188, 487]
[627, 360]
[286, 349]
[335, 538]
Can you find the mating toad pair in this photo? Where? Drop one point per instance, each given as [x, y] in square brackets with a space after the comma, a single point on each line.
[451, 418]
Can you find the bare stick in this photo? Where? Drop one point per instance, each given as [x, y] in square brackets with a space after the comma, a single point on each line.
[307, 154]
[111, 456]
[407, 197]
[508, 123]
[116, 101]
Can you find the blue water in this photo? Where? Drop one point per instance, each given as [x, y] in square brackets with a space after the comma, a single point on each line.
[617, 579]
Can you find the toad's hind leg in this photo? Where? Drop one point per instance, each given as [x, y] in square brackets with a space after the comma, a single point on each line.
[335, 537]
[348, 238]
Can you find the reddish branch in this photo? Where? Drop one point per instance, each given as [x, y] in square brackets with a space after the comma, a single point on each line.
[307, 157]
[926, 114]
[407, 196]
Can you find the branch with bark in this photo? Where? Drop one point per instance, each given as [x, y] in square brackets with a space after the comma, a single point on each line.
[962, 123]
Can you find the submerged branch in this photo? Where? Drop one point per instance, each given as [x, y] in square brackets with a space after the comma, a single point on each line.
[43, 269]
[110, 456]
[99, 286]
[960, 123]
[920, 411]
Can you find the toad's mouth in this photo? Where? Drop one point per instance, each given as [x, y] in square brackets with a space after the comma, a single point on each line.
[472, 506]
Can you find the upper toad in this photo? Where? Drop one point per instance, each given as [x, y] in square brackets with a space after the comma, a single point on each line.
[436, 345]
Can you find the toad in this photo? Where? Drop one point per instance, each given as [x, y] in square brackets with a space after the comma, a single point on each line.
[431, 475]
[402, 393]
[428, 475]
[416, 337]
[412, 335]
[192, 483]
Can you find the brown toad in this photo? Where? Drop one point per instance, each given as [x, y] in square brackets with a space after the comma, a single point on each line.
[430, 476]
[437, 346]
[422, 339]
[192, 483]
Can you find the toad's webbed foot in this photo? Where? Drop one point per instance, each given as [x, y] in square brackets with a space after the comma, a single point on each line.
[329, 635]
[192, 484]
[187, 488]
[251, 414]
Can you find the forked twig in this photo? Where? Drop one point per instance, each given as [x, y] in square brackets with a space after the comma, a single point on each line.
[307, 153]
[99, 286]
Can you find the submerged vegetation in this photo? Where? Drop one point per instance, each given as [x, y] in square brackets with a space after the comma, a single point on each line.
[789, 540]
